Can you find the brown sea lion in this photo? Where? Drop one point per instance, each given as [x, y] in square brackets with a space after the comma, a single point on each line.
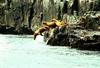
[54, 23]
[40, 31]
[49, 24]
[58, 23]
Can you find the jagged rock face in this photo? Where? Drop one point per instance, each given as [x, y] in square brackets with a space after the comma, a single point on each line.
[30, 13]
[18, 14]
[54, 9]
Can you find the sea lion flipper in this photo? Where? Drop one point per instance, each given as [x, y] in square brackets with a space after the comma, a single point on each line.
[35, 36]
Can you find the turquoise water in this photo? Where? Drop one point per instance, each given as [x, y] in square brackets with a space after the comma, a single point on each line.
[24, 52]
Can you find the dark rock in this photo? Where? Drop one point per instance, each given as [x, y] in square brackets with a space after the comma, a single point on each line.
[74, 39]
[57, 39]
[26, 30]
[12, 30]
[2, 29]
[96, 37]
[85, 45]
[88, 43]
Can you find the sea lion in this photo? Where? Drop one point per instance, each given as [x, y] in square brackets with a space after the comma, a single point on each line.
[54, 23]
[49, 24]
[40, 31]
[58, 23]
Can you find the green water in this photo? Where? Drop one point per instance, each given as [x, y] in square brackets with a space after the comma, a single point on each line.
[24, 52]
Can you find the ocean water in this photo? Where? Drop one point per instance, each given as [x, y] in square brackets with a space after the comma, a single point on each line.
[24, 52]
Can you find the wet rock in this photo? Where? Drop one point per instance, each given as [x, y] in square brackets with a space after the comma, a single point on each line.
[26, 30]
[12, 30]
[2, 29]
[88, 43]
[56, 37]
[59, 40]
[75, 38]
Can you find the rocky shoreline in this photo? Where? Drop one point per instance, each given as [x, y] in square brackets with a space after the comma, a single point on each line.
[74, 38]
[12, 30]
[83, 35]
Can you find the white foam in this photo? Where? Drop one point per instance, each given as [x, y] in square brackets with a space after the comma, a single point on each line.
[39, 38]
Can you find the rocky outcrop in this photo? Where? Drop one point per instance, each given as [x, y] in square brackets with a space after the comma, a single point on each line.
[74, 38]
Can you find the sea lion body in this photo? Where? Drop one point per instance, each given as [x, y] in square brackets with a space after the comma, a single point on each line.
[40, 31]
[54, 23]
